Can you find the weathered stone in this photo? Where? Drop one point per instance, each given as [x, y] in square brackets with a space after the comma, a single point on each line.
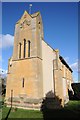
[35, 68]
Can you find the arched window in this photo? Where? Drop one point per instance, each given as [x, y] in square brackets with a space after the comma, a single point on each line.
[19, 50]
[28, 48]
[24, 54]
[23, 83]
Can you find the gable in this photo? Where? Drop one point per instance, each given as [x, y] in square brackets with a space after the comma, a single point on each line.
[25, 15]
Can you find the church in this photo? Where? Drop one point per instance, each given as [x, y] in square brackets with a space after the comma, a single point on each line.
[35, 68]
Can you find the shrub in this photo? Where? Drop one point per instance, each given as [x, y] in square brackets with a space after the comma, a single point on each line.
[76, 89]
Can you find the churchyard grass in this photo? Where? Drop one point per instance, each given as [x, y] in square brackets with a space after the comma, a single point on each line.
[72, 108]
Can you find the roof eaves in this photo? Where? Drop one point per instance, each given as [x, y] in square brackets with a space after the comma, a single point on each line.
[65, 63]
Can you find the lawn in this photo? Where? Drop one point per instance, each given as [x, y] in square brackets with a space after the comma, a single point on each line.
[20, 113]
[71, 110]
[73, 105]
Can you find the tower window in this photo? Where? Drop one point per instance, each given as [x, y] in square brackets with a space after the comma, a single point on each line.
[24, 48]
[23, 83]
[38, 22]
[28, 48]
[19, 50]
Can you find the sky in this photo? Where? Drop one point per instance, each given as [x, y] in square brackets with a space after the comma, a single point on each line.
[60, 24]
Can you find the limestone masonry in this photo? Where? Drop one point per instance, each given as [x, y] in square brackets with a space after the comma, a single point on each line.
[35, 69]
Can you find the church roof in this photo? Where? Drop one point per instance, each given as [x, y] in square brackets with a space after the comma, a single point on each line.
[64, 62]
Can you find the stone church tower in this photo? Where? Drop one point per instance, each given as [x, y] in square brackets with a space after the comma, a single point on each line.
[31, 70]
[25, 66]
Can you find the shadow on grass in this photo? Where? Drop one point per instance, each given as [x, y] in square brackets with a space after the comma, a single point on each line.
[51, 108]
[10, 107]
[8, 113]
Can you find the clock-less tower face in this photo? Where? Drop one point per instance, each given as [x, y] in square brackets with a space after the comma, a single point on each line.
[28, 36]
[25, 69]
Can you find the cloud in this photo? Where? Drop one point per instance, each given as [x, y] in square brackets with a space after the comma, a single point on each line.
[76, 66]
[0, 58]
[6, 40]
[66, 59]
[3, 73]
